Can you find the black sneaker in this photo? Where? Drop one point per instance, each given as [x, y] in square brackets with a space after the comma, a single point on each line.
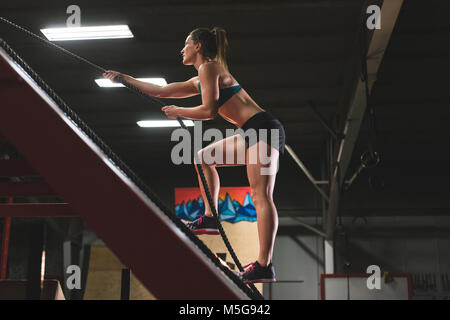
[255, 273]
[204, 225]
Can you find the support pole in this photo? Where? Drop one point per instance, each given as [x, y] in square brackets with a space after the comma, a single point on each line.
[306, 171]
[125, 288]
[329, 256]
[358, 103]
[5, 244]
[36, 262]
[321, 119]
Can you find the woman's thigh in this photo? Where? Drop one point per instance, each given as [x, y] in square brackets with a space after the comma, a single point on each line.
[226, 152]
[262, 167]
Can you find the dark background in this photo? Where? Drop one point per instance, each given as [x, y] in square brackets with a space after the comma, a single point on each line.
[284, 53]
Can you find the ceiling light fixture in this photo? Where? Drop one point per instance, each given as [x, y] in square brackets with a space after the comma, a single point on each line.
[88, 33]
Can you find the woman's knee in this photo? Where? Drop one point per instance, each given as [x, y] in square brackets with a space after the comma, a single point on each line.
[201, 159]
[198, 158]
[260, 195]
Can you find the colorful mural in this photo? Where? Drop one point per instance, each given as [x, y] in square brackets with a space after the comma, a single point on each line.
[234, 204]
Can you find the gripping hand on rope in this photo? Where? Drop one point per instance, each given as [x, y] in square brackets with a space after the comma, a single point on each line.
[172, 112]
[113, 76]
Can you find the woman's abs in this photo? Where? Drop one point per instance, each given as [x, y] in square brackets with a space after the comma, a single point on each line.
[239, 109]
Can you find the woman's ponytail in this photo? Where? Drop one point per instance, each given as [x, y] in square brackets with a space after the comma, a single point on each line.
[214, 43]
[222, 45]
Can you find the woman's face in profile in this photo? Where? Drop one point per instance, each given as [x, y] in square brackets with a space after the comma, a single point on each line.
[189, 51]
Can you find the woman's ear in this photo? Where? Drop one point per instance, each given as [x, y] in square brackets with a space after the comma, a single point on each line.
[198, 46]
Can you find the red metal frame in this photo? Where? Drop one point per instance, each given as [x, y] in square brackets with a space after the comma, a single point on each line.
[134, 228]
[34, 210]
[25, 189]
[16, 168]
[5, 244]
[361, 275]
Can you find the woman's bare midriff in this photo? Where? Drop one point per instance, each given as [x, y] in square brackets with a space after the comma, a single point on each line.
[239, 108]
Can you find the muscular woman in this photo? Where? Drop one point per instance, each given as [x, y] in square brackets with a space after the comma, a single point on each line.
[222, 94]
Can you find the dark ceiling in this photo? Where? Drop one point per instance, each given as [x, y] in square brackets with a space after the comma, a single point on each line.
[284, 53]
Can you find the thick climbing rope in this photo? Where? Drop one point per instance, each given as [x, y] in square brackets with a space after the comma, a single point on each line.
[373, 157]
[253, 293]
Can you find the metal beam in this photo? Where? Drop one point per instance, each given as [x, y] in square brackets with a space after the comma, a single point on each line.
[16, 168]
[368, 212]
[25, 189]
[306, 171]
[377, 46]
[311, 228]
[35, 210]
[321, 119]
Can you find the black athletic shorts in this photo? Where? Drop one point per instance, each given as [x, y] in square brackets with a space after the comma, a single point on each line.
[265, 120]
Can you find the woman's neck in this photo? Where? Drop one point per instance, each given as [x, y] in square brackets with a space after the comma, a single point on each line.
[201, 61]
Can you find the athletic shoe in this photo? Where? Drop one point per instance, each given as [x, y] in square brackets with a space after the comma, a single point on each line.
[255, 273]
[204, 225]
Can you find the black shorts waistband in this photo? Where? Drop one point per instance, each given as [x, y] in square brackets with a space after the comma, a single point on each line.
[265, 120]
[258, 119]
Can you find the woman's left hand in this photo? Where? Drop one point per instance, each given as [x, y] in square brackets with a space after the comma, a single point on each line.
[171, 111]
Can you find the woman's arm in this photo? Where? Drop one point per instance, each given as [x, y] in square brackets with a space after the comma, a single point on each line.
[195, 113]
[173, 90]
[209, 77]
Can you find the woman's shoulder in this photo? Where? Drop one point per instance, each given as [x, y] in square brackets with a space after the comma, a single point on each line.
[213, 69]
[209, 71]
[210, 66]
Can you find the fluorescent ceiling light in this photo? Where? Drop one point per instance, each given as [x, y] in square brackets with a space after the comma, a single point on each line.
[163, 123]
[87, 33]
[106, 83]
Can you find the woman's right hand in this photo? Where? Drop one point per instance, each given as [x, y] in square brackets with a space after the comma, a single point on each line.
[111, 75]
